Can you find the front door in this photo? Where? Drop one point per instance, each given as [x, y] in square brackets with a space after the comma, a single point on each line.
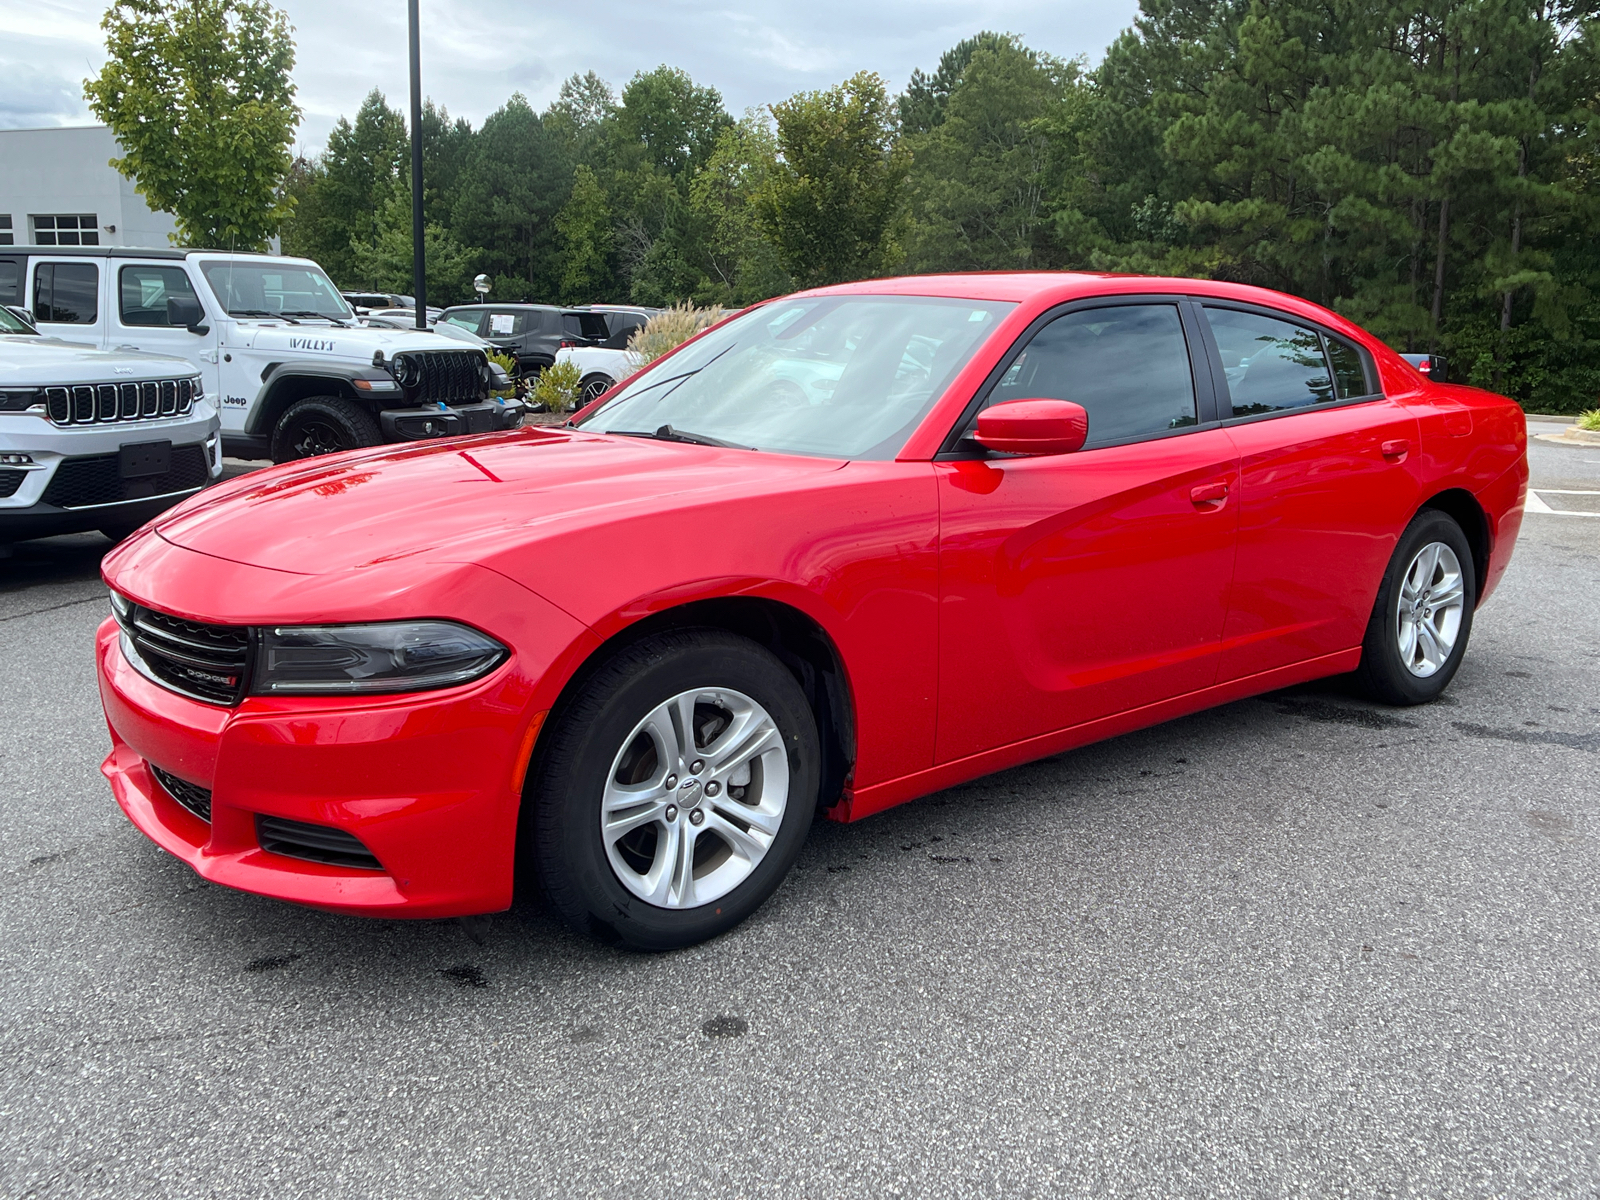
[1080, 585]
[1327, 466]
[139, 320]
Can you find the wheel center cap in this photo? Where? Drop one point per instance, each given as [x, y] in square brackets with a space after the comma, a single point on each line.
[689, 792]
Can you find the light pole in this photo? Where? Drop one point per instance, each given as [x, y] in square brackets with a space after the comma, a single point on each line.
[419, 279]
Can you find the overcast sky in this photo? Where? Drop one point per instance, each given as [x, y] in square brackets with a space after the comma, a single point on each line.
[474, 55]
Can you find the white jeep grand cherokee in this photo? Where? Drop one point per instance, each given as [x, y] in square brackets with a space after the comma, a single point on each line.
[92, 439]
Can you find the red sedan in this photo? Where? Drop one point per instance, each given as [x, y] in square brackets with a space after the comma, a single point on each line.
[844, 549]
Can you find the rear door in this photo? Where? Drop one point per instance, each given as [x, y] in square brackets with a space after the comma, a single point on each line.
[1327, 483]
[66, 298]
[1075, 586]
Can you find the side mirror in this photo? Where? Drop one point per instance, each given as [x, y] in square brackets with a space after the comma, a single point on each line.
[186, 311]
[23, 315]
[1033, 427]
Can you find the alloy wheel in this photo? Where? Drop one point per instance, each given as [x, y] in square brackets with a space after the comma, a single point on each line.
[694, 798]
[1428, 614]
[318, 437]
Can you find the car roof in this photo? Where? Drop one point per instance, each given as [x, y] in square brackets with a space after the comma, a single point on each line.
[514, 304]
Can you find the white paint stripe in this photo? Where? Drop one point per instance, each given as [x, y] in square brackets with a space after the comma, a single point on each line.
[1536, 505]
[1559, 492]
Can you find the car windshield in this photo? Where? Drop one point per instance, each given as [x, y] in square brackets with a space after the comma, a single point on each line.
[835, 376]
[256, 289]
[14, 324]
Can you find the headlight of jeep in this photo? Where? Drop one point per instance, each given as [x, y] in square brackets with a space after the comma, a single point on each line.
[391, 656]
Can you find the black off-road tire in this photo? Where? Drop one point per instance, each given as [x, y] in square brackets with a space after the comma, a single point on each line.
[322, 425]
[1382, 674]
[559, 834]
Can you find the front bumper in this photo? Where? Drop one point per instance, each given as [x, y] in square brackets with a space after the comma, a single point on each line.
[429, 782]
[442, 420]
[33, 502]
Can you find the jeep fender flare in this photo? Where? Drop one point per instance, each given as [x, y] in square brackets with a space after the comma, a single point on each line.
[282, 383]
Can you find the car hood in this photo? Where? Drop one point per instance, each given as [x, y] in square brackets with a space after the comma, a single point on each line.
[27, 360]
[319, 339]
[462, 499]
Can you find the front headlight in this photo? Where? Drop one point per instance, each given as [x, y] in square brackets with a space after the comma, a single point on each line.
[391, 656]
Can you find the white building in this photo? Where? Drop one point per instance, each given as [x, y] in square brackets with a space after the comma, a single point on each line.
[58, 188]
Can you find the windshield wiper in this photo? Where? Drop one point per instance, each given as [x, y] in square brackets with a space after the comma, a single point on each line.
[260, 312]
[668, 434]
[313, 313]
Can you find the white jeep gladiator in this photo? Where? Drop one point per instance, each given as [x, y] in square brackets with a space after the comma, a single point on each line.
[96, 439]
[293, 372]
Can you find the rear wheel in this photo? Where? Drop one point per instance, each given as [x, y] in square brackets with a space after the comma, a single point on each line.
[1420, 625]
[595, 386]
[674, 792]
[322, 425]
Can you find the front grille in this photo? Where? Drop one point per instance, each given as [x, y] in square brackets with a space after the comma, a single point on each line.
[191, 795]
[451, 376]
[97, 479]
[316, 843]
[203, 662]
[10, 481]
[109, 403]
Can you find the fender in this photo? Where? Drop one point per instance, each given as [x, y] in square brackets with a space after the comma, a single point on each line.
[282, 383]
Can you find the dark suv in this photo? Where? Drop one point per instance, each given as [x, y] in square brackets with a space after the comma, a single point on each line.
[532, 332]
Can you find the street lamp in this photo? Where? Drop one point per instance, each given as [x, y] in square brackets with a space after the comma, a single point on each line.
[419, 279]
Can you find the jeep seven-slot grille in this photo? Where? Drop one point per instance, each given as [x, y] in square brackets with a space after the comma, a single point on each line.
[316, 843]
[191, 795]
[203, 662]
[97, 479]
[453, 376]
[104, 403]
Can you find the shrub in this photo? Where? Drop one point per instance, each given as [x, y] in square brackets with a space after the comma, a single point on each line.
[558, 387]
[509, 364]
[1590, 420]
[667, 330]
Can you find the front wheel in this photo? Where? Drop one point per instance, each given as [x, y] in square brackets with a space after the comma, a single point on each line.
[674, 792]
[322, 425]
[1418, 632]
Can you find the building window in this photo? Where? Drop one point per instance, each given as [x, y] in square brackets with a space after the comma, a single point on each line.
[8, 236]
[81, 229]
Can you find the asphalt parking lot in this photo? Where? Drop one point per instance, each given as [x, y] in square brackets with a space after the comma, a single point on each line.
[1297, 946]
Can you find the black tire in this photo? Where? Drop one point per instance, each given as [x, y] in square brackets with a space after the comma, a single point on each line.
[322, 425]
[595, 386]
[1383, 674]
[118, 532]
[560, 835]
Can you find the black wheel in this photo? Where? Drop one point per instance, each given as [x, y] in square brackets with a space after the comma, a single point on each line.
[595, 386]
[322, 425]
[673, 793]
[1423, 618]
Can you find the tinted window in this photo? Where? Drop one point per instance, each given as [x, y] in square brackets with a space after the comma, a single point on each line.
[1128, 365]
[10, 281]
[620, 327]
[585, 325]
[144, 293]
[66, 293]
[1349, 368]
[1271, 365]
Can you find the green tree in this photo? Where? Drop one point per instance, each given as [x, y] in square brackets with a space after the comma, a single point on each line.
[512, 185]
[921, 106]
[829, 203]
[584, 228]
[739, 263]
[983, 175]
[383, 259]
[675, 121]
[199, 96]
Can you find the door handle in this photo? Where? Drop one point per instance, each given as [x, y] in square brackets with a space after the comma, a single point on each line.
[1396, 449]
[1208, 493]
